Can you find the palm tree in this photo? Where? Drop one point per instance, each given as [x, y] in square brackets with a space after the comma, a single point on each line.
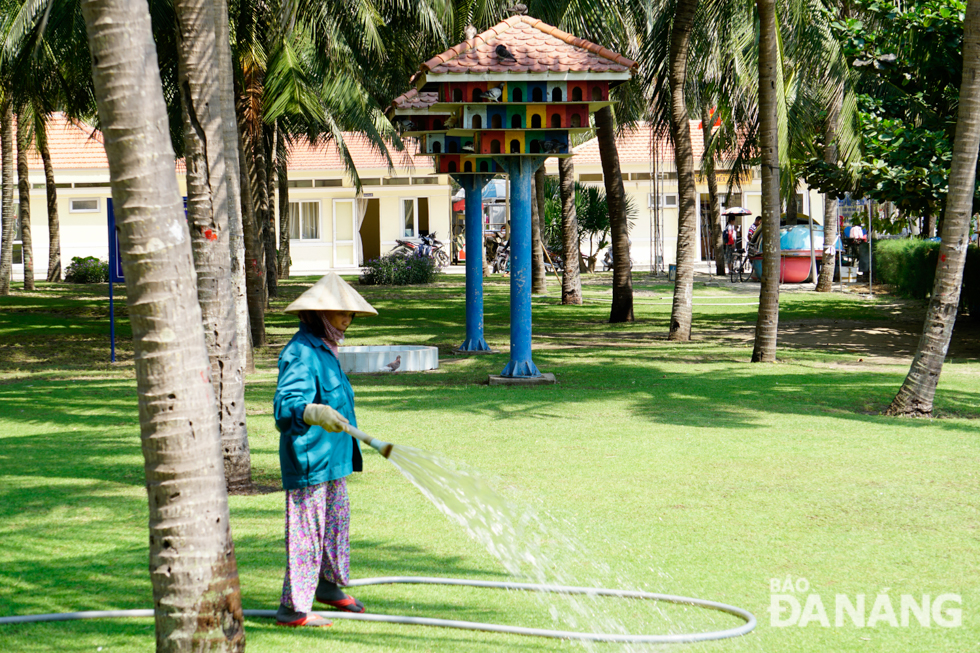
[619, 26]
[682, 307]
[915, 398]
[571, 279]
[826, 281]
[9, 220]
[208, 213]
[708, 166]
[769, 78]
[538, 276]
[51, 192]
[24, 193]
[192, 559]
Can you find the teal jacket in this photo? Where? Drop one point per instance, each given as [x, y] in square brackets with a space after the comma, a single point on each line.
[309, 373]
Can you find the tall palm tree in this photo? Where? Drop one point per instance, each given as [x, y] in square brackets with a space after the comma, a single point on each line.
[619, 26]
[826, 281]
[538, 276]
[915, 398]
[192, 560]
[24, 196]
[208, 211]
[51, 193]
[571, 279]
[769, 78]
[680, 35]
[8, 220]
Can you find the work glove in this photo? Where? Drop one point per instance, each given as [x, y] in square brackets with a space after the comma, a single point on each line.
[325, 417]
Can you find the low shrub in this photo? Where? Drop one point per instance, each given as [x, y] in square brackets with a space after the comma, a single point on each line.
[395, 270]
[910, 266]
[87, 269]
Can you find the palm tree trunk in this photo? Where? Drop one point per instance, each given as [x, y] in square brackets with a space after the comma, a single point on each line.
[254, 251]
[193, 571]
[767, 322]
[622, 301]
[714, 201]
[8, 221]
[24, 192]
[208, 215]
[571, 278]
[682, 307]
[826, 281]
[282, 171]
[915, 398]
[232, 147]
[538, 276]
[51, 191]
[269, 234]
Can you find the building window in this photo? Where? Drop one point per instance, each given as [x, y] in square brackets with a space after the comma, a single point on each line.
[300, 183]
[410, 216]
[590, 177]
[396, 181]
[324, 183]
[667, 201]
[18, 244]
[86, 205]
[304, 220]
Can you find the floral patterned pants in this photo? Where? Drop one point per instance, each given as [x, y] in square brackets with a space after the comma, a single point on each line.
[317, 541]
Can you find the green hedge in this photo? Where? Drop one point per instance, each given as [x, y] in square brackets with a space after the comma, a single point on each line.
[396, 270]
[910, 266]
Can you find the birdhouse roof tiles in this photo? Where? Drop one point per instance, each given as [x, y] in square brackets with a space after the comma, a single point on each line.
[415, 100]
[536, 48]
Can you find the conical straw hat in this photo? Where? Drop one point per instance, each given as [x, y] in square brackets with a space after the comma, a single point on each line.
[331, 293]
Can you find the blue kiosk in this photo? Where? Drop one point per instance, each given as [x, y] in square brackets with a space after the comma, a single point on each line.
[501, 103]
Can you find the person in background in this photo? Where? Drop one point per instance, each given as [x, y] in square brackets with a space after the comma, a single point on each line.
[314, 402]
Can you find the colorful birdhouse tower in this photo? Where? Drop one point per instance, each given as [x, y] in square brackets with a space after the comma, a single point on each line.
[511, 96]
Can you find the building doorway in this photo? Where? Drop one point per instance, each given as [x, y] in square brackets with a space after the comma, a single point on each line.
[371, 232]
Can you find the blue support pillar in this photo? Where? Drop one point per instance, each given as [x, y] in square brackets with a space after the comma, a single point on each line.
[521, 171]
[473, 185]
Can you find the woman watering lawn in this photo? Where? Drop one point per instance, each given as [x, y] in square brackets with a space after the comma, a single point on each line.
[313, 403]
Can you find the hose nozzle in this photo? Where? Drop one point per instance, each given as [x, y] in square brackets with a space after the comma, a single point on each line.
[384, 448]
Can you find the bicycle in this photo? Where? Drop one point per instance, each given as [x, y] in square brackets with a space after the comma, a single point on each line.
[739, 264]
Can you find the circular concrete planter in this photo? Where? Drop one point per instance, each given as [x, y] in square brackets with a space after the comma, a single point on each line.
[414, 358]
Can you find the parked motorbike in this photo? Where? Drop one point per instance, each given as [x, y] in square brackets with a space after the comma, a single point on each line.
[427, 246]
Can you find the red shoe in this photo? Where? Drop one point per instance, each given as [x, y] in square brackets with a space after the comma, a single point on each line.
[347, 604]
[287, 617]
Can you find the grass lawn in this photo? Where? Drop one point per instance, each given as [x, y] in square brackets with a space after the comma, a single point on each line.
[674, 468]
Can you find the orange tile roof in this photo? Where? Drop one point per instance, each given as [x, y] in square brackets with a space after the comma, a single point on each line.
[304, 156]
[537, 48]
[75, 145]
[634, 146]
